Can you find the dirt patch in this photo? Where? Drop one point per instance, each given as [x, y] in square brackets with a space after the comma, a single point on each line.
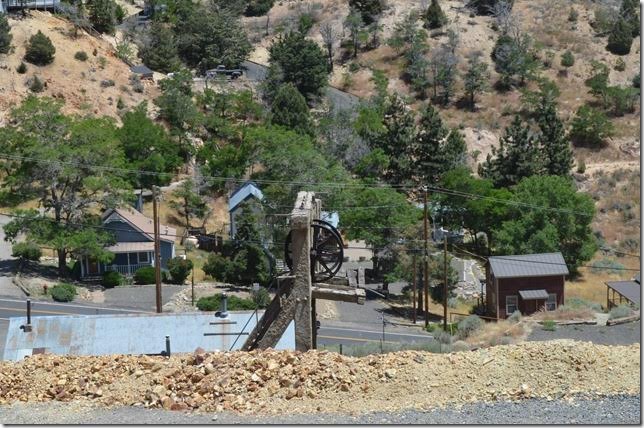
[292, 382]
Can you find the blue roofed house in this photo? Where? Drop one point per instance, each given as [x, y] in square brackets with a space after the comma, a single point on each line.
[236, 202]
[134, 246]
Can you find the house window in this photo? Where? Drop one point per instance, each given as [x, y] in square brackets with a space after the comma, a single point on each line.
[551, 304]
[144, 258]
[511, 304]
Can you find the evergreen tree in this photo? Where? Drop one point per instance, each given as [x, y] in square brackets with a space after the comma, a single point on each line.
[5, 34]
[102, 15]
[289, 109]
[630, 11]
[369, 9]
[428, 153]
[454, 151]
[160, 51]
[301, 61]
[206, 40]
[434, 16]
[354, 24]
[417, 64]
[516, 157]
[189, 204]
[397, 139]
[476, 78]
[620, 38]
[555, 145]
[40, 50]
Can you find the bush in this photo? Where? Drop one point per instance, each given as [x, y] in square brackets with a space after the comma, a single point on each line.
[620, 311]
[434, 16]
[515, 317]
[620, 38]
[63, 292]
[107, 83]
[606, 265]
[218, 267]
[258, 7]
[26, 251]
[581, 166]
[145, 275]
[590, 127]
[81, 56]
[137, 85]
[22, 68]
[213, 303]
[576, 303]
[620, 65]
[567, 59]
[119, 13]
[36, 85]
[112, 279]
[549, 325]
[179, 269]
[261, 298]
[573, 15]
[40, 50]
[460, 346]
[636, 81]
[468, 326]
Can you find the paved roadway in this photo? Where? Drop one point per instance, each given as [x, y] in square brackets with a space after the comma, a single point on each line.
[350, 335]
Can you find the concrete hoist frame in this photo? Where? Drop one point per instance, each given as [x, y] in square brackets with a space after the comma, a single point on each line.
[314, 254]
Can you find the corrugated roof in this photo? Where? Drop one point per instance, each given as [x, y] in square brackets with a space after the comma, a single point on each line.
[127, 247]
[629, 289]
[533, 294]
[546, 264]
[140, 69]
[143, 223]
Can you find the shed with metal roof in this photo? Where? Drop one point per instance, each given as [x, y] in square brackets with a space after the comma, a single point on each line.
[527, 283]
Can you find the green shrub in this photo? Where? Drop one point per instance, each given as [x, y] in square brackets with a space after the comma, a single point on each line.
[145, 275]
[22, 68]
[573, 15]
[620, 311]
[26, 251]
[112, 279]
[620, 38]
[606, 265]
[434, 16]
[567, 59]
[620, 65]
[590, 127]
[40, 50]
[63, 292]
[119, 13]
[36, 85]
[261, 297]
[218, 267]
[577, 303]
[468, 326]
[549, 325]
[636, 81]
[460, 346]
[258, 7]
[81, 56]
[179, 269]
[515, 317]
[213, 303]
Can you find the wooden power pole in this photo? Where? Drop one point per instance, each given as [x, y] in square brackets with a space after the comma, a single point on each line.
[426, 258]
[445, 288]
[413, 288]
[157, 248]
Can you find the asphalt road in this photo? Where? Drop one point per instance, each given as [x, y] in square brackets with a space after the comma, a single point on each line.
[18, 308]
[333, 335]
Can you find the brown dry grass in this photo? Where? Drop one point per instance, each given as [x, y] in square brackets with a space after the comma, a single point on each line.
[565, 314]
[502, 332]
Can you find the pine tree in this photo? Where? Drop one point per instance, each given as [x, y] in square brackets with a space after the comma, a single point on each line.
[434, 16]
[160, 52]
[428, 155]
[620, 37]
[189, 204]
[516, 157]
[476, 78]
[397, 139]
[554, 144]
[102, 15]
[5, 34]
[289, 109]
[454, 151]
[40, 50]
[630, 11]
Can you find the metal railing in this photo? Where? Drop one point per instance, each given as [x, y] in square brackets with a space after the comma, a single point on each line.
[126, 269]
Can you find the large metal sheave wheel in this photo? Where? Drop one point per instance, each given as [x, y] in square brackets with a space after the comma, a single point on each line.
[327, 251]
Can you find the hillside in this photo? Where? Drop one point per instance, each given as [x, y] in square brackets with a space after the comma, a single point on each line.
[87, 87]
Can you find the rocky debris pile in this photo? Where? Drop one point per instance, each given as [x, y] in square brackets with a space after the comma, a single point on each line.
[273, 381]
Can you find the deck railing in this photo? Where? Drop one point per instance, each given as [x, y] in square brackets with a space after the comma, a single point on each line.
[127, 270]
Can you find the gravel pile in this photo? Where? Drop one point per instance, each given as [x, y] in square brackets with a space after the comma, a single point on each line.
[282, 382]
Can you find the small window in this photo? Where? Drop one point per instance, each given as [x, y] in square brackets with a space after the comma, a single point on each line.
[144, 258]
[511, 304]
[551, 304]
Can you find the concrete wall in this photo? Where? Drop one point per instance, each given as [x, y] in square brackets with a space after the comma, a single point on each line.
[131, 334]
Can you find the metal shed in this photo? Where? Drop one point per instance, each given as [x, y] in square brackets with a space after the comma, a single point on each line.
[630, 291]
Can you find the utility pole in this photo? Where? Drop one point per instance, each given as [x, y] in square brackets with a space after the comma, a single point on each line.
[445, 288]
[157, 249]
[426, 263]
[413, 289]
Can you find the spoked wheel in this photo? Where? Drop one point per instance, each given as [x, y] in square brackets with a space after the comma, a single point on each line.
[327, 251]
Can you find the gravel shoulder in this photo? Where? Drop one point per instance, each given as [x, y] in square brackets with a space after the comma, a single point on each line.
[621, 334]
[607, 410]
